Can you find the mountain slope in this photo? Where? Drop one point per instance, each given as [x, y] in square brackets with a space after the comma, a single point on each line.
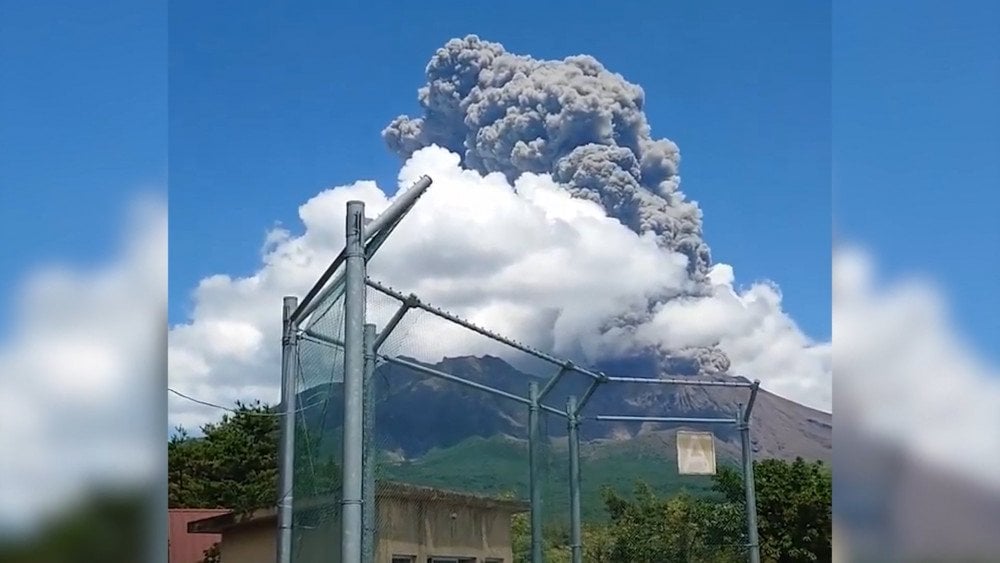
[416, 413]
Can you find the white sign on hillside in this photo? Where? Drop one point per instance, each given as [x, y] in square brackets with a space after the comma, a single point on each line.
[695, 453]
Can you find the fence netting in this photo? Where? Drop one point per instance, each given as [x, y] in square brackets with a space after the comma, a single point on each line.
[316, 507]
[452, 459]
[440, 438]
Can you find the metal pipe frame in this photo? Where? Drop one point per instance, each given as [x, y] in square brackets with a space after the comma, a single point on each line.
[534, 482]
[286, 469]
[361, 344]
[675, 419]
[378, 230]
[309, 334]
[693, 382]
[417, 303]
[313, 298]
[354, 375]
[368, 507]
[550, 384]
[456, 379]
[391, 325]
[399, 207]
[573, 436]
[586, 397]
[742, 419]
[358, 543]
[751, 401]
[753, 541]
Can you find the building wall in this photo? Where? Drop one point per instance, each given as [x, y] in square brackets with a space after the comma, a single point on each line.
[184, 547]
[252, 543]
[423, 530]
[314, 545]
[406, 527]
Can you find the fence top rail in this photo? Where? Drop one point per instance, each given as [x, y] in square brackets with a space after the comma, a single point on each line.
[753, 386]
[392, 214]
[414, 301]
[677, 419]
[462, 381]
[680, 381]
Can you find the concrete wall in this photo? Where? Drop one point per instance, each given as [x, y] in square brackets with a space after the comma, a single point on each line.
[406, 527]
[252, 543]
[441, 529]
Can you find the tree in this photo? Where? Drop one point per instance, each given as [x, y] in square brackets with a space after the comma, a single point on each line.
[555, 544]
[235, 464]
[646, 529]
[794, 501]
[597, 544]
[213, 554]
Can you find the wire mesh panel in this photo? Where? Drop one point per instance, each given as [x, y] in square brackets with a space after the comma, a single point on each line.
[631, 487]
[451, 431]
[318, 441]
[449, 428]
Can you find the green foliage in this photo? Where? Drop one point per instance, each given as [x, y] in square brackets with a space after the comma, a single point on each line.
[682, 528]
[235, 464]
[794, 502]
[105, 526]
[497, 464]
[213, 554]
[555, 541]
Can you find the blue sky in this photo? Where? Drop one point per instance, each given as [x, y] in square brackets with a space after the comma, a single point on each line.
[84, 122]
[270, 104]
[916, 139]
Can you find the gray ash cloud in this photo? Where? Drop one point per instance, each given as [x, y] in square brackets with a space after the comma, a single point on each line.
[572, 119]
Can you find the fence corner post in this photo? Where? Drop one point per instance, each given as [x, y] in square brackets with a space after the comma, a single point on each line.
[573, 424]
[753, 542]
[354, 360]
[286, 449]
[534, 459]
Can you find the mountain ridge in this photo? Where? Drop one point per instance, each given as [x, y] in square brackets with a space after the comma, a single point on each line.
[416, 412]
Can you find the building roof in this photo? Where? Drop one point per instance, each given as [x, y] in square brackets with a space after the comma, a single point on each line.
[217, 523]
[184, 546]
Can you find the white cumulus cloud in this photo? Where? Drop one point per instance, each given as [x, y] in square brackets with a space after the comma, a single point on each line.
[905, 374]
[525, 260]
[79, 376]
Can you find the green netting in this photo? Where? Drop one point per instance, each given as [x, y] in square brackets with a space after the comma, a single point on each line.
[420, 452]
[318, 444]
[437, 441]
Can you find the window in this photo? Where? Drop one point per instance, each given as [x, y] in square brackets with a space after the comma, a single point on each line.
[404, 559]
[491, 560]
[451, 560]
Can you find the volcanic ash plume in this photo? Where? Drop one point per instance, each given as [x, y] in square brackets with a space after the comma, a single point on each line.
[572, 119]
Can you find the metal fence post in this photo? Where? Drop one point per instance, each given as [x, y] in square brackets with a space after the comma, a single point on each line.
[286, 453]
[576, 542]
[753, 542]
[354, 368]
[368, 508]
[534, 458]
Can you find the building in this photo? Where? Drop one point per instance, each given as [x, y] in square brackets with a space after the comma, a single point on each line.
[415, 525]
[186, 547]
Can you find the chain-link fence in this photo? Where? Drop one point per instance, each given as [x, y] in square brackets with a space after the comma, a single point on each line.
[319, 437]
[479, 448]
